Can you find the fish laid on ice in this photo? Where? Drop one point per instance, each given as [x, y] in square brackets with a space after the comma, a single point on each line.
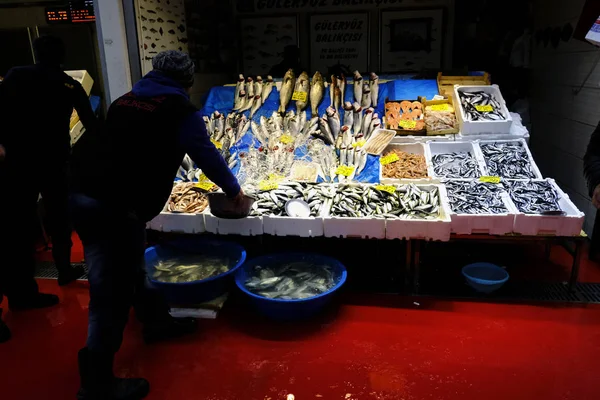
[317, 91]
[302, 86]
[268, 86]
[333, 119]
[287, 89]
[256, 105]
[348, 114]
[358, 118]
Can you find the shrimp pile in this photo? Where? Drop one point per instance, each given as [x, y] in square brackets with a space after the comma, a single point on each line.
[409, 166]
[186, 198]
[395, 112]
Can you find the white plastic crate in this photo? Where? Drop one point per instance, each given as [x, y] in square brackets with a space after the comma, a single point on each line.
[437, 229]
[83, 77]
[534, 167]
[478, 127]
[434, 148]
[365, 228]
[413, 148]
[553, 225]
[292, 226]
[422, 139]
[491, 224]
[249, 226]
[181, 223]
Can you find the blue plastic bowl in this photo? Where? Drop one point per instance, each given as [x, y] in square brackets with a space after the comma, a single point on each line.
[199, 291]
[286, 310]
[485, 277]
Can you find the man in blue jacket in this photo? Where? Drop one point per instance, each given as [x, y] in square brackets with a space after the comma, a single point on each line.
[122, 183]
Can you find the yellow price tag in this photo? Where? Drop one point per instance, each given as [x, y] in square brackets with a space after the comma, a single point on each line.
[344, 170]
[267, 185]
[487, 108]
[276, 177]
[490, 179]
[302, 96]
[440, 107]
[218, 145]
[360, 143]
[205, 185]
[286, 139]
[407, 124]
[390, 158]
[386, 188]
[203, 178]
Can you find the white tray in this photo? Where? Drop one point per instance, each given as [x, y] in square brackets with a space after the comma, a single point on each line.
[249, 226]
[478, 127]
[291, 226]
[437, 229]
[534, 167]
[563, 225]
[413, 148]
[435, 148]
[491, 224]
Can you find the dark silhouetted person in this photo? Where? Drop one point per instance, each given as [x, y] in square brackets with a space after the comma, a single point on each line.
[36, 103]
[153, 126]
[291, 59]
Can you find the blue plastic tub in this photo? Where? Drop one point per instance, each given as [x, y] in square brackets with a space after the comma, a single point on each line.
[286, 310]
[199, 291]
[485, 277]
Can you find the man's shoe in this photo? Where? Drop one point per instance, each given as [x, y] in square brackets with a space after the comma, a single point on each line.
[68, 275]
[171, 328]
[4, 331]
[40, 300]
[99, 383]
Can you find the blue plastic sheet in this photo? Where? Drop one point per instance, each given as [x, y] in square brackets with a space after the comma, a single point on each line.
[221, 99]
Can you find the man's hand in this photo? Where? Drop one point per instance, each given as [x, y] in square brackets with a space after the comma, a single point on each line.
[239, 198]
[596, 197]
[2, 153]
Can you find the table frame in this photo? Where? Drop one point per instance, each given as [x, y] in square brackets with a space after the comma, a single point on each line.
[573, 245]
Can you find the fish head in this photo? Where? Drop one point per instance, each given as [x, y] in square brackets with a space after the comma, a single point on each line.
[317, 77]
[374, 76]
[330, 111]
[241, 78]
[347, 106]
[357, 76]
[269, 79]
[289, 75]
[259, 79]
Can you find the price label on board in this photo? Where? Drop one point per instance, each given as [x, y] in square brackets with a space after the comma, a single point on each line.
[407, 124]
[359, 143]
[440, 107]
[302, 96]
[218, 145]
[490, 179]
[386, 188]
[344, 170]
[487, 108]
[286, 139]
[390, 158]
[267, 185]
[205, 185]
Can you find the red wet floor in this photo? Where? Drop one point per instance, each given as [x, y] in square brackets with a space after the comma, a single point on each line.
[373, 347]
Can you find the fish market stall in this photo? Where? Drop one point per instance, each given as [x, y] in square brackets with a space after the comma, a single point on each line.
[317, 156]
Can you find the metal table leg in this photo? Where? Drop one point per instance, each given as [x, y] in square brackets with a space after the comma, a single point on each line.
[576, 263]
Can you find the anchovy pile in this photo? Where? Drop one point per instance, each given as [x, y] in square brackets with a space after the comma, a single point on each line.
[291, 281]
[408, 202]
[455, 165]
[273, 202]
[472, 197]
[470, 101]
[534, 197]
[507, 160]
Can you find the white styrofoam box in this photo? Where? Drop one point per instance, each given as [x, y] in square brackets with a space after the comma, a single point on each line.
[554, 225]
[249, 226]
[435, 148]
[292, 226]
[413, 148]
[76, 133]
[437, 229]
[491, 224]
[534, 167]
[477, 127]
[422, 139]
[365, 228]
[181, 222]
[82, 77]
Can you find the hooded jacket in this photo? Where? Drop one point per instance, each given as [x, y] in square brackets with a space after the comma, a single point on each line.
[138, 152]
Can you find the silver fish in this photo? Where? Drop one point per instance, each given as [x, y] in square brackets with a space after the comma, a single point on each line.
[337, 93]
[332, 87]
[342, 86]
[250, 87]
[256, 105]
[302, 86]
[240, 100]
[325, 130]
[358, 88]
[367, 117]
[358, 118]
[238, 86]
[267, 88]
[473, 197]
[287, 89]
[317, 91]
[366, 96]
[258, 86]
[348, 114]
[455, 165]
[334, 121]
[374, 87]
[507, 160]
